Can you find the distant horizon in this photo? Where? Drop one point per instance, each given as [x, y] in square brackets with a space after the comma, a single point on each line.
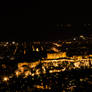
[46, 32]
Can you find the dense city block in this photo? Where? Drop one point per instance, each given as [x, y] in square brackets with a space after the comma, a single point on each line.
[46, 66]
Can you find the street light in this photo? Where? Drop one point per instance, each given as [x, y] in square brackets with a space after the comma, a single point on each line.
[5, 79]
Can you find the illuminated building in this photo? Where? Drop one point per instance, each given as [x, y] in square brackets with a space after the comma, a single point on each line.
[56, 55]
[77, 57]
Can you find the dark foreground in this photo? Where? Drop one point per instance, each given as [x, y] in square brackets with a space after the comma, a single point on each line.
[78, 80]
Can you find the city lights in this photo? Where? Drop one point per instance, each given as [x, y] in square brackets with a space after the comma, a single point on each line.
[45, 66]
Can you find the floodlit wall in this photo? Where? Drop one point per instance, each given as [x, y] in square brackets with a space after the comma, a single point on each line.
[56, 55]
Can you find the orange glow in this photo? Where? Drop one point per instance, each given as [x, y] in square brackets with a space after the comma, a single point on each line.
[54, 49]
[27, 73]
[17, 73]
[68, 42]
[3, 65]
[52, 64]
[77, 57]
[37, 72]
[54, 71]
[90, 55]
[58, 45]
[77, 64]
[42, 87]
[24, 52]
[56, 55]
[5, 79]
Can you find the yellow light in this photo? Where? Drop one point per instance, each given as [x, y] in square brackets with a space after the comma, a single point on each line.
[33, 48]
[37, 72]
[27, 73]
[42, 87]
[54, 71]
[32, 74]
[37, 49]
[56, 55]
[17, 73]
[5, 79]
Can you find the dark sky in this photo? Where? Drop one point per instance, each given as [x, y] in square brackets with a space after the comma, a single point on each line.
[38, 31]
[31, 21]
[39, 26]
[19, 8]
[65, 31]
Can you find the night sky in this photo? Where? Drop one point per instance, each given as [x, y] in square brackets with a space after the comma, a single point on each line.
[46, 31]
[36, 25]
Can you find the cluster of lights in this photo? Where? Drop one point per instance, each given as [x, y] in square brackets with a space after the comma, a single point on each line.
[42, 87]
[48, 65]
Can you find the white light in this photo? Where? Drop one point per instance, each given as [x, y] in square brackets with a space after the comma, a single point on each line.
[81, 36]
[5, 79]
[7, 42]
[5, 45]
[13, 42]
[74, 39]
